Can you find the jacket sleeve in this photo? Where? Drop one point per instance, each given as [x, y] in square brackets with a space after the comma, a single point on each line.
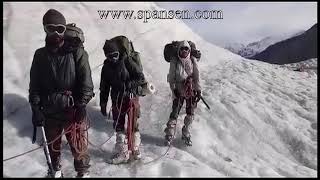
[104, 87]
[84, 79]
[34, 85]
[137, 77]
[171, 75]
[196, 75]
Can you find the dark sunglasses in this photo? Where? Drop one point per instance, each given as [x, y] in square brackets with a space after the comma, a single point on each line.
[52, 28]
[184, 49]
[113, 55]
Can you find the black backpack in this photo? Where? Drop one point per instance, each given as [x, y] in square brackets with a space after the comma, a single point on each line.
[126, 46]
[73, 37]
[171, 50]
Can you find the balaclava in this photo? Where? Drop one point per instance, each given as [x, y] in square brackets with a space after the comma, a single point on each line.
[111, 51]
[53, 16]
[184, 56]
[184, 50]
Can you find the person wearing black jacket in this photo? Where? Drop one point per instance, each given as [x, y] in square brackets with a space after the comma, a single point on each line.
[122, 76]
[59, 90]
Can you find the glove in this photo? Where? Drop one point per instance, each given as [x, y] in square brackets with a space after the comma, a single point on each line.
[103, 109]
[130, 86]
[38, 118]
[197, 96]
[81, 113]
[176, 93]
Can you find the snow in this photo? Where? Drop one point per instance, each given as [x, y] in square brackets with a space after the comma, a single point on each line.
[262, 122]
[310, 66]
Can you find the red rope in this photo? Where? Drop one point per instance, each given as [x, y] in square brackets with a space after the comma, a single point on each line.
[78, 132]
[71, 128]
[131, 122]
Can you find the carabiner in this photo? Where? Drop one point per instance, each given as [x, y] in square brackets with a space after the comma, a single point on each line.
[70, 101]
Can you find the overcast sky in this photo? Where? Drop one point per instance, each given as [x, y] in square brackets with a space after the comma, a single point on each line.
[246, 22]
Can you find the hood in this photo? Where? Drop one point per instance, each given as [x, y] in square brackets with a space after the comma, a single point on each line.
[184, 44]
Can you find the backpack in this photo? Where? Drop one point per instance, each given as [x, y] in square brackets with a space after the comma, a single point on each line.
[73, 37]
[171, 50]
[126, 46]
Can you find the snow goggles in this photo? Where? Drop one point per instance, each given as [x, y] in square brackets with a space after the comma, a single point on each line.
[113, 55]
[55, 28]
[184, 49]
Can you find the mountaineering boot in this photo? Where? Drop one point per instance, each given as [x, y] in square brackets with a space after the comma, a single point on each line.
[168, 140]
[83, 175]
[170, 131]
[121, 149]
[186, 136]
[137, 140]
[187, 140]
[54, 174]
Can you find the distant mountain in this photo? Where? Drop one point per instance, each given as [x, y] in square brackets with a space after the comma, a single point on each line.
[254, 48]
[295, 49]
[235, 47]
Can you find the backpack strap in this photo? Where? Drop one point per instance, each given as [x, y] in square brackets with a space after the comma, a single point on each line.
[75, 59]
[132, 48]
[74, 53]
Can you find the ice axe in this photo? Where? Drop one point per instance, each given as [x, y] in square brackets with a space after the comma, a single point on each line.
[34, 136]
[202, 99]
[46, 151]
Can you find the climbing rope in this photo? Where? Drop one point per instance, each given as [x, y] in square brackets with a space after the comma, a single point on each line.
[78, 139]
[118, 117]
[22, 154]
[41, 145]
[164, 154]
[81, 141]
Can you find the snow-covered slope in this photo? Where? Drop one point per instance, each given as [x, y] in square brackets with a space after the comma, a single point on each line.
[263, 120]
[256, 47]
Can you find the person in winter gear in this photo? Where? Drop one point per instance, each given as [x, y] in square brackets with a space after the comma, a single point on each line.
[122, 76]
[184, 83]
[59, 90]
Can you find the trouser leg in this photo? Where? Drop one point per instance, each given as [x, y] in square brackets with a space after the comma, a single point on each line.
[137, 136]
[79, 149]
[171, 124]
[53, 131]
[188, 118]
[118, 118]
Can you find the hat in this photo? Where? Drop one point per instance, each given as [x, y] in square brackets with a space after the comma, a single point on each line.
[184, 44]
[110, 46]
[53, 16]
